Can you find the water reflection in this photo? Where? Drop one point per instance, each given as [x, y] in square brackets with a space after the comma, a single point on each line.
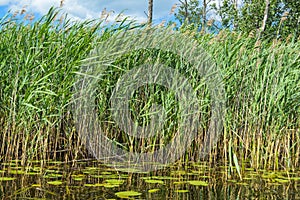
[91, 180]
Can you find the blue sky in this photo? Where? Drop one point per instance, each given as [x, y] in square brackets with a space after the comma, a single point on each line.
[87, 9]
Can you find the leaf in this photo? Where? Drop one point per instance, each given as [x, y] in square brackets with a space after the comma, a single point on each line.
[16, 172]
[179, 182]
[115, 181]
[7, 178]
[154, 181]
[126, 194]
[55, 182]
[198, 183]
[281, 180]
[153, 190]
[237, 166]
[94, 185]
[181, 191]
[78, 178]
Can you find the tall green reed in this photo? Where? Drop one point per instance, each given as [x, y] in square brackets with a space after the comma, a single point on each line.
[39, 61]
[262, 85]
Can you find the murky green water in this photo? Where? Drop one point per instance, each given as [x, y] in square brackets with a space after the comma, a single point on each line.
[95, 181]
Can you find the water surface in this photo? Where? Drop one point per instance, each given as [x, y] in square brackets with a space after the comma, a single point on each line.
[93, 180]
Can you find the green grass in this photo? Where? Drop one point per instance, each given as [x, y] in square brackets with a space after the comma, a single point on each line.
[39, 62]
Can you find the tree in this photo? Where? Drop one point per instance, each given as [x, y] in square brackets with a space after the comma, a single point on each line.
[228, 12]
[290, 18]
[271, 18]
[191, 13]
[266, 14]
[150, 11]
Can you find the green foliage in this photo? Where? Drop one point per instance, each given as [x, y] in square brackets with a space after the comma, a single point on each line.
[290, 22]
[194, 15]
[37, 63]
[247, 16]
[262, 86]
[39, 60]
[189, 13]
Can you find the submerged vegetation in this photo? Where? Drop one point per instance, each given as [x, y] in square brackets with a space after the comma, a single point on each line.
[39, 61]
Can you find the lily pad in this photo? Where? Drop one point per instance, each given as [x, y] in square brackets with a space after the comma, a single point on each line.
[115, 181]
[198, 183]
[36, 185]
[281, 180]
[33, 173]
[78, 178]
[55, 182]
[295, 178]
[154, 181]
[153, 190]
[127, 194]
[7, 178]
[108, 185]
[178, 173]
[53, 176]
[16, 172]
[164, 177]
[94, 185]
[106, 173]
[181, 191]
[179, 182]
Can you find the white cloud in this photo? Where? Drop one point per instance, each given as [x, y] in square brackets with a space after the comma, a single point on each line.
[84, 9]
[5, 2]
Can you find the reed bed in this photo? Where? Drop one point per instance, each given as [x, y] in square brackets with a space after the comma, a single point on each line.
[262, 86]
[39, 62]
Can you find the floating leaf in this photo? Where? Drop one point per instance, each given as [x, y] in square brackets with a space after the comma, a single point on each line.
[108, 185]
[146, 177]
[179, 182]
[106, 173]
[153, 190]
[295, 178]
[181, 191]
[91, 168]
[179, 172]
[78, 178]
[55, 162]
[269, 175]
[53, 176]
[94, 185]
[115, 181]
[281, 180]
[16, 172]
[154, 181]
[36, 185]
[126, 194]
[129, 170]
[36, 169]
[55, 182]
[7, 178]
[16, 167]
[198, 183]
[164, 177]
